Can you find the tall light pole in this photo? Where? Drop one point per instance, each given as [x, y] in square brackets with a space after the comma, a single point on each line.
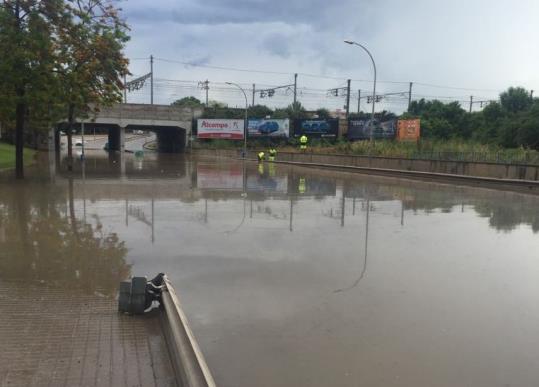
[374, 87]
[245, 120]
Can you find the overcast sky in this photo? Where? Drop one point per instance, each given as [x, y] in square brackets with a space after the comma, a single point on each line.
[479, 45]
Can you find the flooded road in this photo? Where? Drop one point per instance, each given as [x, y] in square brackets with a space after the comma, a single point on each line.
[293, 276]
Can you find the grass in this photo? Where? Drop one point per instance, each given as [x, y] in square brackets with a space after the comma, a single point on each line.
[7, 156]
[424, 149]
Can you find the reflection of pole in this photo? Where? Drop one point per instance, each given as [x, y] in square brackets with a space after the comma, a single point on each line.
[364, 269]
[402, 213]
[354, 206]
[82, 132]
[205, 210]
[342, 209]
[366, 234]
[153, 231]
[84, 190]
[251, 211]
[291, 213]
[126, 212]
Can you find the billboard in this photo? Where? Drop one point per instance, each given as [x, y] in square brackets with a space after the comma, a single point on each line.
[360, 129]
[316, 128]
[218, 128]
[268, 128]
[409, 130]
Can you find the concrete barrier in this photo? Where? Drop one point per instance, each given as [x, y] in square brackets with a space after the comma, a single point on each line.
[521, 175]
[465, 168]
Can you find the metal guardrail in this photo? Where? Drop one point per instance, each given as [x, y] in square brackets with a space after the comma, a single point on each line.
[137, 296]
[189, 363]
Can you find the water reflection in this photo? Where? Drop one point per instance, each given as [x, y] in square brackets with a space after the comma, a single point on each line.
[41, 239]
[313, 277]
[213, 180]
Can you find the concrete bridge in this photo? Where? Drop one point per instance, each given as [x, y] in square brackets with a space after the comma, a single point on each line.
[172, 124]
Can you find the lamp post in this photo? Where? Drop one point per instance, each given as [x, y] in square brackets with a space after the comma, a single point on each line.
[374, 87]
[245, 120]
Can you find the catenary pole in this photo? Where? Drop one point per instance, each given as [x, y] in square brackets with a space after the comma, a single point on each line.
[151, 79]
[371, 136]
[245, 118]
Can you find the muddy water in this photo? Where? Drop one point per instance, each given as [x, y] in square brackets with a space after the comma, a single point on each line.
[297, 277]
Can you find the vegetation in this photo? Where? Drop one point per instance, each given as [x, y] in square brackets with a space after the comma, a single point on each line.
[504, 131]
[7, 156]
[59, 57]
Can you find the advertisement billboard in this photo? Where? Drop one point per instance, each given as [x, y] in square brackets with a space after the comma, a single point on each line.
[409, 130]
[220, 128]
[268, 128]
[360, 129]
[316, 128]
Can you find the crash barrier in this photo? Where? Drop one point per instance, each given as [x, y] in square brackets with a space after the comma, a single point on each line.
[501, 171]
[137, 296]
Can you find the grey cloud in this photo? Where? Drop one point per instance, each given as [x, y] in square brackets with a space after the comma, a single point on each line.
[277, 44]
[319, 13]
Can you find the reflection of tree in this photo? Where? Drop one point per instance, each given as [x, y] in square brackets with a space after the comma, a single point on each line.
[505, 210]
[39, 243]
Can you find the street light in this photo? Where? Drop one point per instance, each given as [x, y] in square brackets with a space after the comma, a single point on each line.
[374, 87]
[245, 123]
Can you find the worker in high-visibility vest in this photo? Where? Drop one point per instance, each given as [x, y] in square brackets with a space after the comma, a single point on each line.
[272, 154]
[303, 142]
[301, 185]
[261, 155]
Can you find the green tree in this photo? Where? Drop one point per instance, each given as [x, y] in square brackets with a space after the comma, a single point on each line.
[91, 65]
[259, 111]
[296, 111]
[26, 69]
[190, 102]
[323, 113]
[516, 99]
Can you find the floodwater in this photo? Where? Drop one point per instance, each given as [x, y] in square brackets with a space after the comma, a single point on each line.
[293, 276]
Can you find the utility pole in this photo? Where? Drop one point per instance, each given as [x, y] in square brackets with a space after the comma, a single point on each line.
[471, 102]
[410, 96]
[358, 100]
[254, 91]
[205, 85]
[531, 94]
[125, 89]
[295, 87]
[348, 98]
[151, 79]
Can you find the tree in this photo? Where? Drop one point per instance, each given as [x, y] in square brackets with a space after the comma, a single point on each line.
[323, 113]
[190, 102]
[296, 111]
[516, 99]
[27, 43]
[259, 111]
[91, 65]
[58, 55]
